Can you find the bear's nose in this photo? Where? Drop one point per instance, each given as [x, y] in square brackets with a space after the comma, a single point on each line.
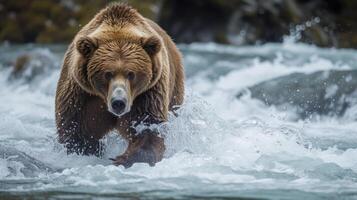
[118, 106]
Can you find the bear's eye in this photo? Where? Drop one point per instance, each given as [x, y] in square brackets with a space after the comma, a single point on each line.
[108, 75]
[130, 76]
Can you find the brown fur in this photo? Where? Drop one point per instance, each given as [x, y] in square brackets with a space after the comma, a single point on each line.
[118, 38]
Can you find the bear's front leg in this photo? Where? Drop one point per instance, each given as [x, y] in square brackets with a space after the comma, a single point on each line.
[146, 147]
[82, 120]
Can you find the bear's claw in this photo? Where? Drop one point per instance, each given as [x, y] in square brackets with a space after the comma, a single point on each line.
[141, 156]
[122, 160]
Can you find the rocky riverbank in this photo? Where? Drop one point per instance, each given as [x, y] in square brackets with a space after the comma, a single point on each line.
[322, 22]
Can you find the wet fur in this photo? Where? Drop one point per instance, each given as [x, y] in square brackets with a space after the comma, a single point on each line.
[82, 116]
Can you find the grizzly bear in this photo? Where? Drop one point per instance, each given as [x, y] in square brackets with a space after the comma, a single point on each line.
[120, 71]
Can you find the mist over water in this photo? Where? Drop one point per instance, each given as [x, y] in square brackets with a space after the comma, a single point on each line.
[220, 145]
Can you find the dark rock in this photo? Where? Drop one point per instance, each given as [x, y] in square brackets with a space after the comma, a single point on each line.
[241, 22]
[30, 65]
[198, 20]
[19, 163]
[323, 93]
[248, 22]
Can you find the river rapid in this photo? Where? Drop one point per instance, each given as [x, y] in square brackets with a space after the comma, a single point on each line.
[224, 143]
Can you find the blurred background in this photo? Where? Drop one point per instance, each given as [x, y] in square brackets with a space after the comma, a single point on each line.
[327, 23]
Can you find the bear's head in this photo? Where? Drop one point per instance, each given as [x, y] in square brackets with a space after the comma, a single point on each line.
[118, 70]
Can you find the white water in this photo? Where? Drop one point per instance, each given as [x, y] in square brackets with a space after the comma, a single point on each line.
[218, 145]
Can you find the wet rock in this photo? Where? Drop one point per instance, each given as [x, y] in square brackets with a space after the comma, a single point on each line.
[199, 20]
[16, 163]
[323, 93]
[30, 65]
[236, 22]
[244, 22]
[20, 64]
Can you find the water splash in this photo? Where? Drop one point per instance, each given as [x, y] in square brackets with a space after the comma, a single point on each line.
[296, 31]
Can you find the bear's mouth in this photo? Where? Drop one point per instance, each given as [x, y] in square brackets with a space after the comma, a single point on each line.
[118, 114]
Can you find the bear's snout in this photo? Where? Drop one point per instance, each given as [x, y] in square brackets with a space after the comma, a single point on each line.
[118, 103]
[118, 106]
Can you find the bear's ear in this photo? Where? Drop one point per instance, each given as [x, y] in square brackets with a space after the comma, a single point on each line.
[86, 46]
[151, 45]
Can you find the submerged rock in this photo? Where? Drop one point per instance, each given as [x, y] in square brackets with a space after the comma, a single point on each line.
[323, 93]
[14, 163]
[30, 65]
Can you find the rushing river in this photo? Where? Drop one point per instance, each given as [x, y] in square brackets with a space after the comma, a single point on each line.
[227, 141]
